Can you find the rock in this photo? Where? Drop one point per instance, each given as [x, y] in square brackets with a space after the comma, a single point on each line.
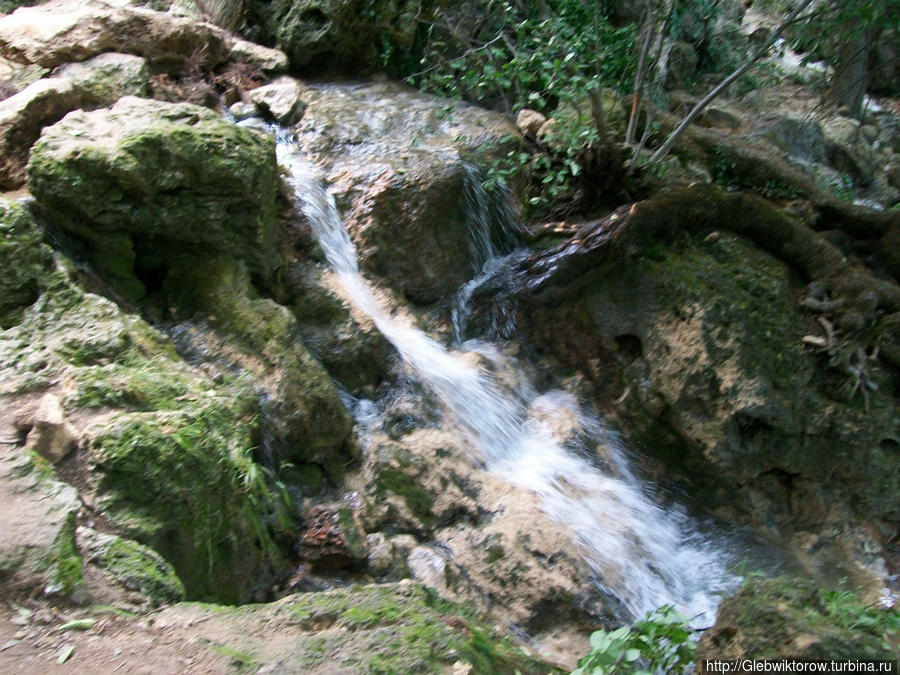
[790, 618]
[133, 566]
[23, 260]
[166, 452]
[242, 110]
[799, 137]
[145, 180]
[38, 553]
[719, 118]
[280, 101]
[106, 78]
[225, 324]
[429, 568]
[529, 122]
[51, 436]
[17, 76]
[333, 538]
[334, 35]
[269, 61]
[392, 628]
[60, 32]
[484, 541]
[401, 180]
[709, 337]
[22, 117]
[847, 150]
[681, 65]
[344, 340]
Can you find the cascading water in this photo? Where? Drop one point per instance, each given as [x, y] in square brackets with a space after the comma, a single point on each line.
[643, 555]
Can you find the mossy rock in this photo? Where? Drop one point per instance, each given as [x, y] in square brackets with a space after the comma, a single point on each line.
[392, 628]
[304, 413]
[791, 618]
[144, 180]
[38, 552]
[167, 451]
[23, 260]
[184, 483]
[134, 566]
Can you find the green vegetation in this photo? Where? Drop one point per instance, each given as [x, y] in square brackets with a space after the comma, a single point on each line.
[660, 642]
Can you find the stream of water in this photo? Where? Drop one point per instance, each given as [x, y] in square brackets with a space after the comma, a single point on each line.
[642, 554]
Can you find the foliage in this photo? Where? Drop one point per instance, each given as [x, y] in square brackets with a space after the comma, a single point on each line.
[834, 22]
[847, 611]
[660, 642]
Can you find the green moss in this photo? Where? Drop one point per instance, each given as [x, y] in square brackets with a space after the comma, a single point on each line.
[23, 260]
[184, 483]
[142, 569]
[419, 501]
[63, 561]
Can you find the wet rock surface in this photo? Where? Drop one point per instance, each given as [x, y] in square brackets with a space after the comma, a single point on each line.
[401, 179]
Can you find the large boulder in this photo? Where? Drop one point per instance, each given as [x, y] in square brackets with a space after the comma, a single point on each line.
[402, 165]
[145, 180]
[98, 82]
[332, 35]
[22, 261]
[683, 311]
[60, 32]
[165, 452]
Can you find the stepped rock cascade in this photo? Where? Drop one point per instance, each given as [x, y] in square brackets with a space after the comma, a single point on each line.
[642, 555]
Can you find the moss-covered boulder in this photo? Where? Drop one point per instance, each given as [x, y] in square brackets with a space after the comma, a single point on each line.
[394, 628]
[332, 35]
[305, 418]
[106, 78]
[737, 345]
[146, 179]
[791, 618]
[132, 565]
[167, 452]
[22, 261]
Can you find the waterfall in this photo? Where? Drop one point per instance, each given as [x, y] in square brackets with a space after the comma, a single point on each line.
[643, 555]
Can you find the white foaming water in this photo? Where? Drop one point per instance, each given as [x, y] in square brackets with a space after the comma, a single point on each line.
[643, 555]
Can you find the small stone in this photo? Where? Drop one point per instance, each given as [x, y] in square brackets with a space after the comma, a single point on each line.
[267, 60]
[280, 100]
[242, 110]
[334, 537]
[712, 237]
[51, 436]
[429, 568]
[529, 122]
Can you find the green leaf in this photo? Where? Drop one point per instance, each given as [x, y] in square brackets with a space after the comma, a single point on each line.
[78, 624]
[65, 653]
[599, 639]
[632, 655]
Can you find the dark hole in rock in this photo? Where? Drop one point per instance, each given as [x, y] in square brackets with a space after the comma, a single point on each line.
[314, 16]
[630, 346]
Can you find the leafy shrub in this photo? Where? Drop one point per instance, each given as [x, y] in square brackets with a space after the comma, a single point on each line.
[661, 642]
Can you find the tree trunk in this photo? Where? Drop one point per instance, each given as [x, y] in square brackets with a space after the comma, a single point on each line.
[851, 77]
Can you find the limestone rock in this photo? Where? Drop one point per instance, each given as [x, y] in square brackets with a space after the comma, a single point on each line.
[132, 565]
[22, 117]
[148, 179]
[280, 100]
[60, 32]
[799, 137]
[395, 159]
[681, 66]
[270, 61]
[429, 568]
[38, 552]
[847, 149]
[106, 78]
[529, 122]
[23, 261]
[51, 436]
